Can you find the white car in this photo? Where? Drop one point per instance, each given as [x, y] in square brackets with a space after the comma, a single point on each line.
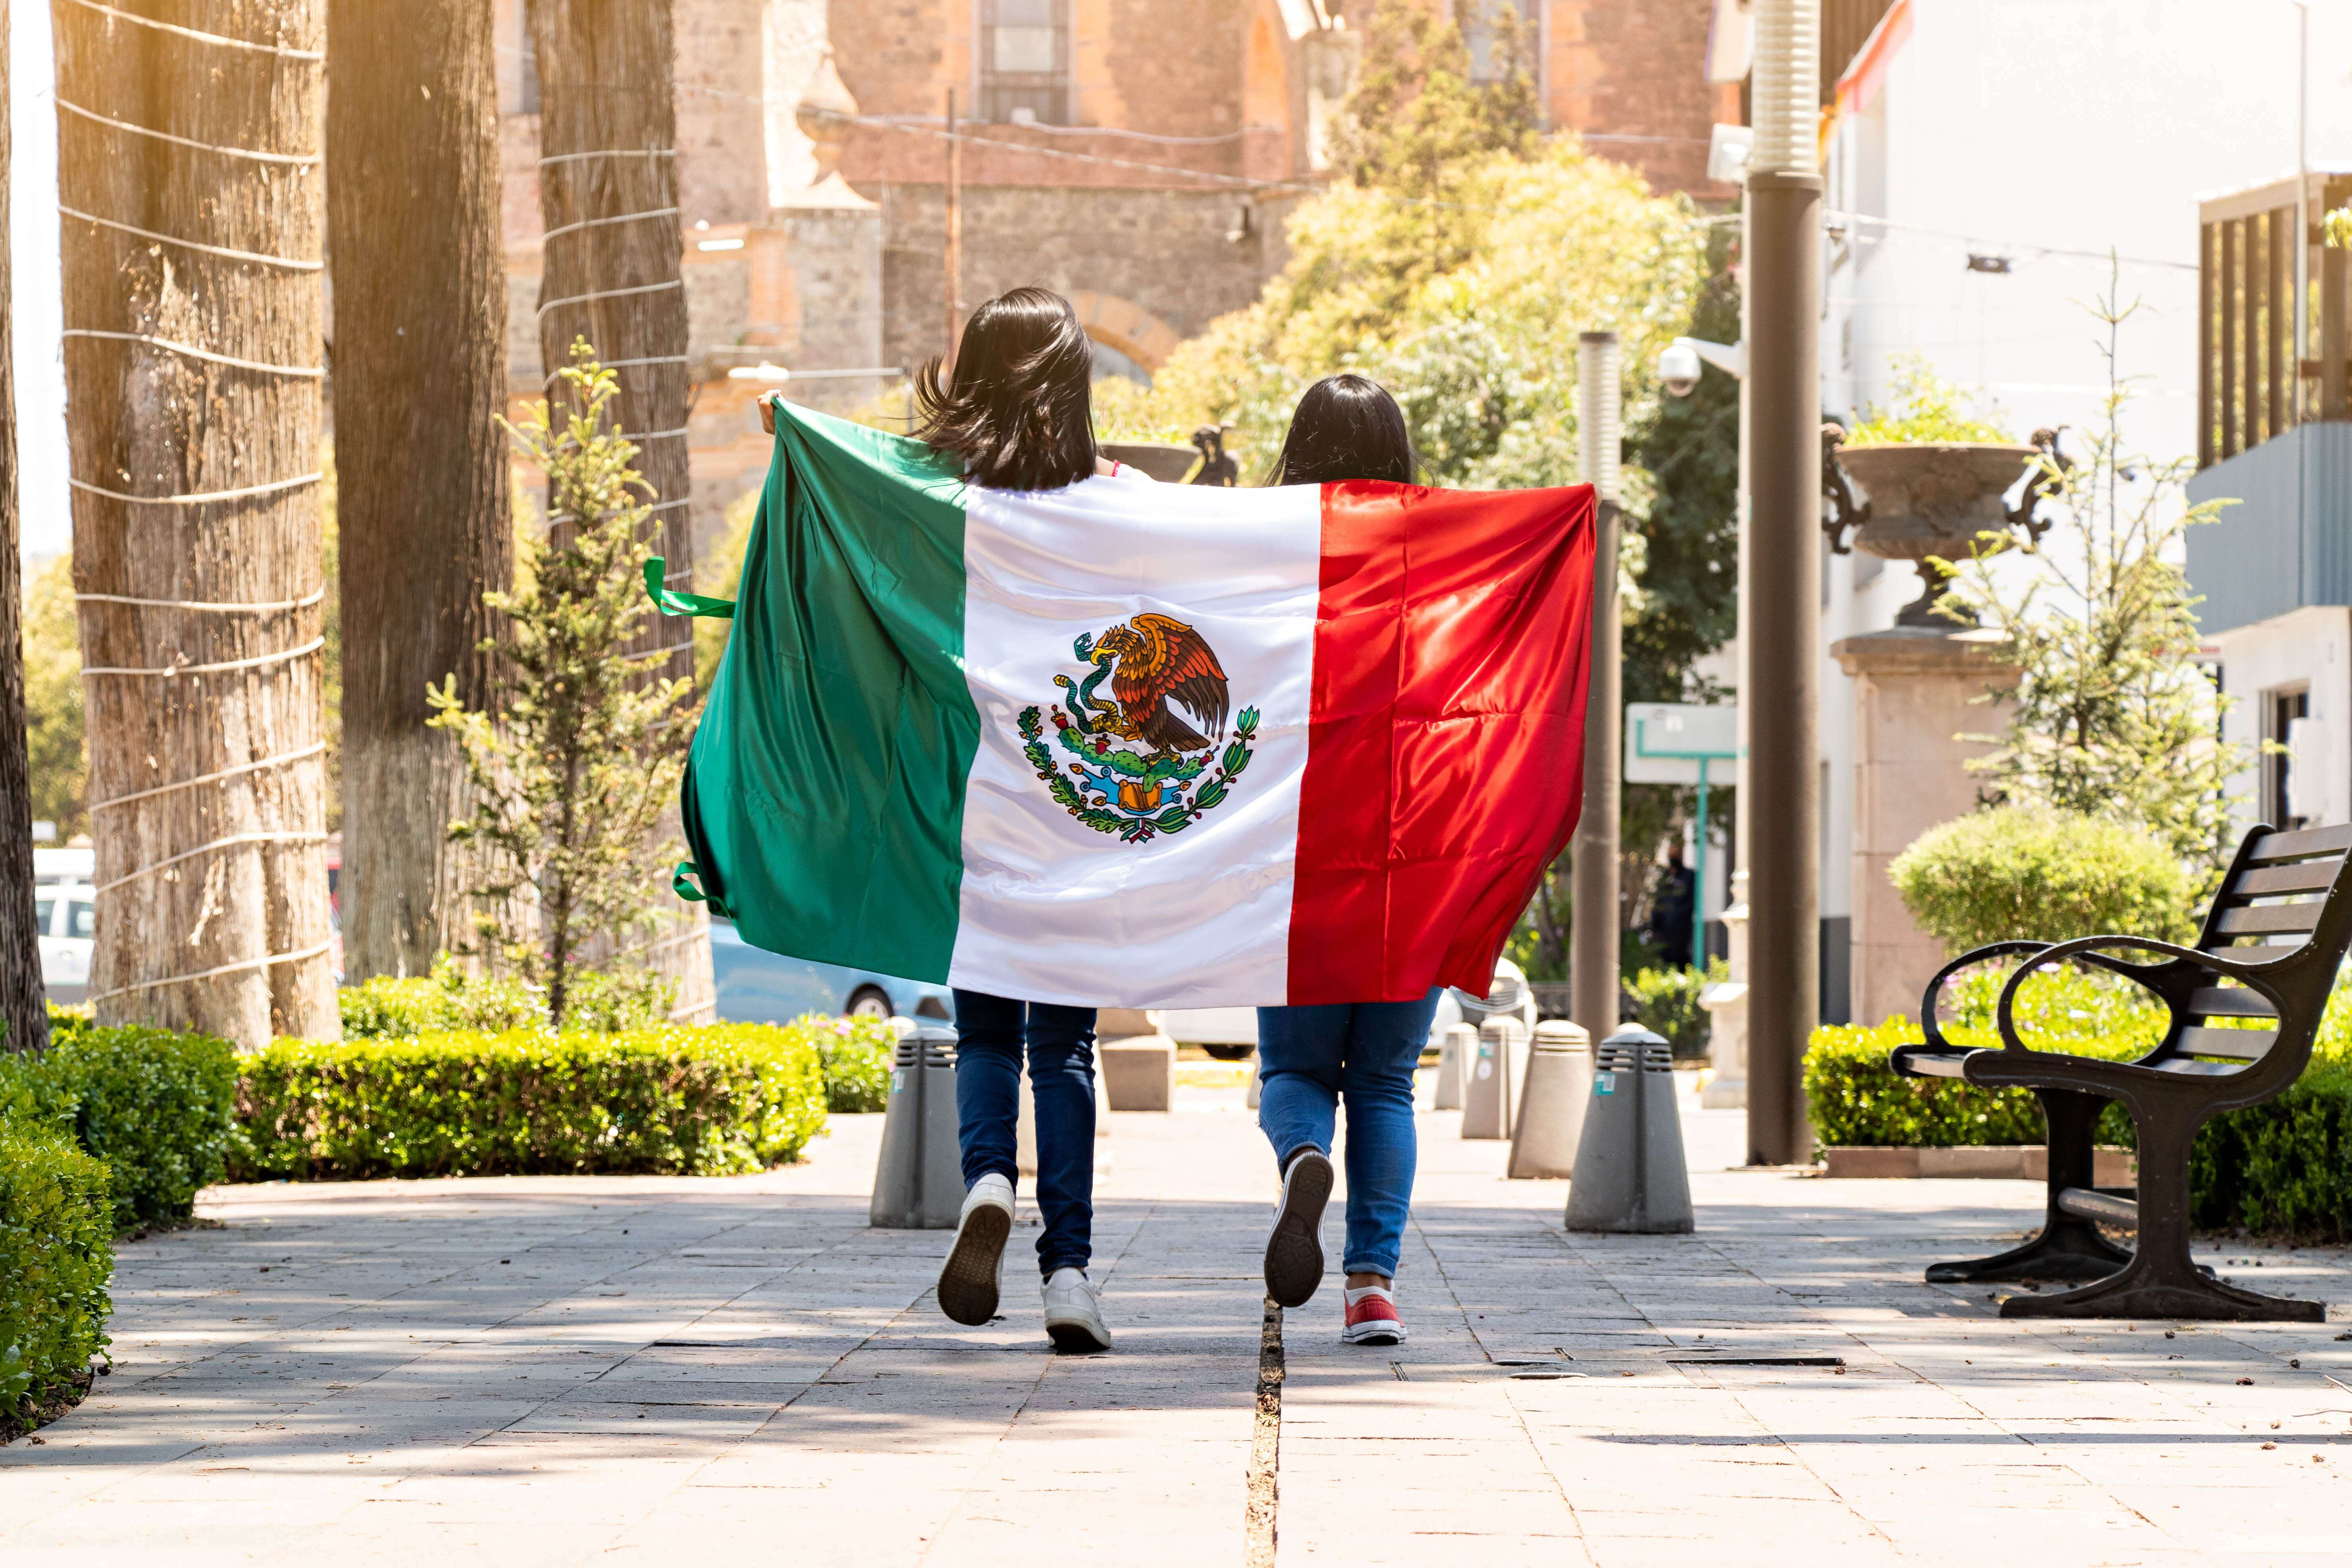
[1231, 1032]
[67, 916]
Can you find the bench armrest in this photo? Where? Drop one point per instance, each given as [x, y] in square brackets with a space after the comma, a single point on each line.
[2085, 948]
[1932, 1027]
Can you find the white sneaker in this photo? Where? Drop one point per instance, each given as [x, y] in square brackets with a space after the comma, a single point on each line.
[968, 1279]
[1073, 1314]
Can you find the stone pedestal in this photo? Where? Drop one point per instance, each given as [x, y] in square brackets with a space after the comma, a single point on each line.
[1726, 1005]
[1916, 692]
[1135, 1064]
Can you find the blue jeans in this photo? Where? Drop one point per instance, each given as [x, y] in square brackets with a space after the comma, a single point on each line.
[1308, 1058]
[993, 1033]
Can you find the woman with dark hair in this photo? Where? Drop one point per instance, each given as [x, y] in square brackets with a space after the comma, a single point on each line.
[1017, 412]
[1310, 1059]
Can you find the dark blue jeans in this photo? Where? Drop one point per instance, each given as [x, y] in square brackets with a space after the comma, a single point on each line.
[1309, 1058]
[993, 1033]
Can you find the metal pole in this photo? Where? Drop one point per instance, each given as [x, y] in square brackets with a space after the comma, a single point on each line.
[1593, 930]
[1698, 877]
[954, 282]
[1781, 688]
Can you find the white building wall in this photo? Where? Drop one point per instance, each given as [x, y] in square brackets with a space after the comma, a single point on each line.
[2049, 132]
[2312, 646]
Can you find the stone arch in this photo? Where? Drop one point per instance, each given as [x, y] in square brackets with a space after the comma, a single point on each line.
[1124, 325]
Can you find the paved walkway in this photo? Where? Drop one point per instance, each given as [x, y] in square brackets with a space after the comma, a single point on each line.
[619, 1371]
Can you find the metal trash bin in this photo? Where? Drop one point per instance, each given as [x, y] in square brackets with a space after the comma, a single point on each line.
[1552, 1102]
[1454, 1054]
[918, 1180]
[1490, 1093]
[1629, 1176]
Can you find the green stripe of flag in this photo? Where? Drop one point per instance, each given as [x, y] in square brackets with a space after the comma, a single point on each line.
[827, 779]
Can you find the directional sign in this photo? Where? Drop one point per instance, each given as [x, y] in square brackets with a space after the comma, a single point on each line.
[1675, 743]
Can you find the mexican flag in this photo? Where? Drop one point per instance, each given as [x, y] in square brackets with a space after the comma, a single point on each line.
[1137, 744]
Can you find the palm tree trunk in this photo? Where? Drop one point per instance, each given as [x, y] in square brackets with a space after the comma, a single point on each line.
[24, 1008]
[423, 478]
[608, 197]
[194, 376]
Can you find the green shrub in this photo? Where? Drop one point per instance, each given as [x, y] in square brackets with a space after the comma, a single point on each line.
[716, 1100]
[450, 1000]
[55, 1260]
[856, 1054]
[1667, 1000]
[2018, 874]
[157, 1107]
[2285, 1166]
[1857, 1099]
[2281, 1168]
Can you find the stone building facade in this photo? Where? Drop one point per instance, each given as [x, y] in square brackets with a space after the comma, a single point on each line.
[1139, 156]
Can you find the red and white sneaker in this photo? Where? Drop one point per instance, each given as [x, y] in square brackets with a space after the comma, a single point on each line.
[1372, 1318]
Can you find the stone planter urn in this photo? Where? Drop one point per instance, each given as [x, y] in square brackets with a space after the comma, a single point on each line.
[1926, 500]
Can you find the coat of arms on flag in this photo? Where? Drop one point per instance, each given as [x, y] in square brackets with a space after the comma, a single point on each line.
[1136, 744]
[1133, 765]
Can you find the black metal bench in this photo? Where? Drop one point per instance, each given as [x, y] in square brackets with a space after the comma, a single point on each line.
[2266, 960]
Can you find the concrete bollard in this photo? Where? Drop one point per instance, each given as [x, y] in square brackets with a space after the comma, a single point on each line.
[1454, 1054]
[1552, 1102]
[918, 1180]
[1629, 1176]
[1490, 1095]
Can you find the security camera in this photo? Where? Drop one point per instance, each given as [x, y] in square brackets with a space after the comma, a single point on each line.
[1679, 368]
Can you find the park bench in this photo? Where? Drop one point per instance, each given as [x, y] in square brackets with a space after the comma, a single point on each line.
[2245, 1006]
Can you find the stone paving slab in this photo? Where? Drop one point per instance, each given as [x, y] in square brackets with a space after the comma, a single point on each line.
[562, 1371]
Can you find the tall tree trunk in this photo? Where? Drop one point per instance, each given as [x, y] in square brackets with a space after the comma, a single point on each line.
[423, 480]
[24, 1008]
[608, 197]
[193, 378]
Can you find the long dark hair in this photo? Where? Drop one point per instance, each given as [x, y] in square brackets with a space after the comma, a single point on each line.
[1346, 426]
[1020, 410]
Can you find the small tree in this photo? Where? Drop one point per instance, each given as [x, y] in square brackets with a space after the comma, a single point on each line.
[580, 753]
[2111, 714]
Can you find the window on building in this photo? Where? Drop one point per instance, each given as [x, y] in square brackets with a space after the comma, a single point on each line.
[1486, 28]
[2282, 706]
[1024, 71]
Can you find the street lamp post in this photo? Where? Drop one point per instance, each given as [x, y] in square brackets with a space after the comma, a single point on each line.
[1779, 688]
[1593, 920]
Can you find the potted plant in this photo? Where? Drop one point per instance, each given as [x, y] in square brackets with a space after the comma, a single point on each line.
[1933, 476]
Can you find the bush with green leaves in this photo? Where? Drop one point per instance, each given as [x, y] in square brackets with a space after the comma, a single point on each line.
[1666, 1003]
[2281, 1168]
[451, 1000]
[856, 1054]
[1926, 409]
[57, 1257]
[157, 1107]
[2020, 873]
[1857, 1099]
[715, 1101]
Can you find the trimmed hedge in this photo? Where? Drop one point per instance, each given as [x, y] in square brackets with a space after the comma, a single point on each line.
[57, 1225]
[716, 1100]
[855, 1054]
[157, 1107]
[451, 1002]
[2281, 1168]
[1856, 1099]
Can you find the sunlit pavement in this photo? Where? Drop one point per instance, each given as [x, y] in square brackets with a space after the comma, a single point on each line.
[706, 1372]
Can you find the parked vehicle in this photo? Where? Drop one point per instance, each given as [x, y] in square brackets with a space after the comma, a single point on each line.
[756, 986]
[52, 866]
[66, 914]
[1230, 1034]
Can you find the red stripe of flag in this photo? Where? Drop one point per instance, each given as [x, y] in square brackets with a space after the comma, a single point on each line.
[1445, 757]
